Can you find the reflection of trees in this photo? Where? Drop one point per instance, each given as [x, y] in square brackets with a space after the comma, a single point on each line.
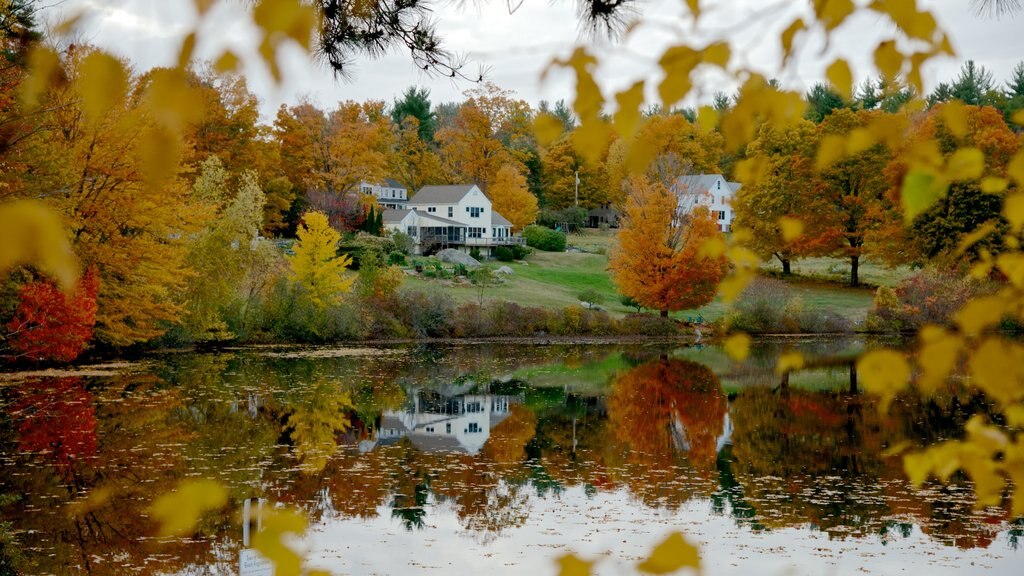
[57, 420]
[315, 417]
[668, 407]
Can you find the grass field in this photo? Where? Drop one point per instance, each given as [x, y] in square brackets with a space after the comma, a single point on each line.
[555, 280]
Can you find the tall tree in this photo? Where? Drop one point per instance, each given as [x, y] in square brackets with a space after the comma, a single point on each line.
[413, 162]
[787, 188]
[974, 84]
[512, 198]
[470, 149]
[822, 100]
[415, 102]
[561, 164]
[657, 262]
[854, 188]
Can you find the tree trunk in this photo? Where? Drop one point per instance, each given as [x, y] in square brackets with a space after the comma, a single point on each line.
[785, 267]
[664, 313]
[853, 377]
[854, 275]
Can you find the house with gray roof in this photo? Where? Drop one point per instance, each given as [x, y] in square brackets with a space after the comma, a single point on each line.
[459, 217]
[390, 193]
[712, 191]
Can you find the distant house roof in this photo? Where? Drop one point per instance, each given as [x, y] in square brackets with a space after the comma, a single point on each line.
[436, 443]
[705, 182]
[499, 220]
[395, 215]
[441, 194]
[392, 183]
[443, 221]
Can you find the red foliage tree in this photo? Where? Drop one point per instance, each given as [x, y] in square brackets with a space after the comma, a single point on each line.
[52, 325]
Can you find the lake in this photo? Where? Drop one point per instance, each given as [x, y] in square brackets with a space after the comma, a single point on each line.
[488, 458]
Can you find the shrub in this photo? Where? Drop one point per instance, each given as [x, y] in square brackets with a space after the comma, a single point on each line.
[460, 270]
[628, 302]
[590, 297]
[403, 242]
[504, 254]
[545, 239]
[427, 314]
[571, 219]
[648, 325]
[768, 306]
[928, 297]
[361, 243]
[474, 253]
[519, 251]
[396, 258]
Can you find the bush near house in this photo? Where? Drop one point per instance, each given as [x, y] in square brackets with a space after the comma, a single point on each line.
[543, 238]
[768, 306]
[928, 297]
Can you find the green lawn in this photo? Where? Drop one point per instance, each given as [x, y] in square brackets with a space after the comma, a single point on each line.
[838, 270]
[555, 280]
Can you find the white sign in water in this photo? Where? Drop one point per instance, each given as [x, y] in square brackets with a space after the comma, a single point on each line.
[252, 563]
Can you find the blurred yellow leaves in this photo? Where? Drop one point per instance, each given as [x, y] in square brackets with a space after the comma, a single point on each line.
[841, 78]
[832, 13]
[737, 346]
[281, 20]
[33, 234]
[938, 355]
[788, 362]
[179, 512]
[673, 554]
[570, 565]
[884, 373]
[103, 83]
[791, 228]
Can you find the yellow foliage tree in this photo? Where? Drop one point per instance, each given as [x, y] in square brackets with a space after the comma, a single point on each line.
[316, 265]
[512, 199]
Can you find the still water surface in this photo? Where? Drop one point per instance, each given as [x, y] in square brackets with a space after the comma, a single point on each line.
[488, 459]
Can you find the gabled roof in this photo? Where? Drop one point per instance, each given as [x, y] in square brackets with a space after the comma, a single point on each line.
[441, 194]
[706, 182]
[392, 183]
[444, 221]
[395, 215]
[735, 186]
[499, 220]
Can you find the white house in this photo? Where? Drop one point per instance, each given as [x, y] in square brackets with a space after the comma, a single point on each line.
[433, 422]
[712, 191]
[390, 193]
[459, 217]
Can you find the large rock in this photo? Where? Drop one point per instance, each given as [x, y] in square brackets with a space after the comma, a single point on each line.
[504, 271]
[452, 256]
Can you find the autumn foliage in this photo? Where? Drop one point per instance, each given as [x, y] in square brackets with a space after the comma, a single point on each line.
[52, 325]
[658, 262]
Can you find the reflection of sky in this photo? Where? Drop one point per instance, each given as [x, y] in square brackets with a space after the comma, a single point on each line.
[611, 525]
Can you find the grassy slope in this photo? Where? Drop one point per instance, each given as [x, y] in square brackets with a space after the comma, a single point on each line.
[554, 280]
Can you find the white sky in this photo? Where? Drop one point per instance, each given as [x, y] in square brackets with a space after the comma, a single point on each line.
[516, 48]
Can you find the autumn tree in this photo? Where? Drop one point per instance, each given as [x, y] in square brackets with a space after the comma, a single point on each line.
[415, 102]
[561, 164]
[512, 199]
[229, 126]
[50, 324]
[658, 261]
[787, 188]
[315, 265]
[855, 189]
[414, 162]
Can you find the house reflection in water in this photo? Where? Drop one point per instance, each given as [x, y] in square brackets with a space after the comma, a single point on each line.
[444, 420]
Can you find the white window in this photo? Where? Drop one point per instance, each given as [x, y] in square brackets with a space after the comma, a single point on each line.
[432, 209]
[473, 427]
[451, 211]
[476, 233]
[474, 211]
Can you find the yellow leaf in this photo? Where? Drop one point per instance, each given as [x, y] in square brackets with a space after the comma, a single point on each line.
[97, 498]
[671, 555]
[734, 285]
[67, 25]
[713, 247]
[44, 72]
[888, 59]
[228, 62]
[707, 118]
[988, 438]
[272, 542]
[954, 115]
[988, 482]
[974, 237]
[677, 63]
[188, 46]
[1012, 265]
[1015, 169]
[787, 37]
[717, 54]
[627, 117]
[832, 13]
[981, 313]
[160, 150]
[921, 189]
[570, 565]
[997, 368]
[917, 466]
[841, 78]
[884, 373]
[1014, 415]
[203, 5]
[1013, 209]
[547, 128]
[966, 164]
[694, 6]
[103, 83]
[179, 511]
[789, 361]
[859, 140]
[938, 355]
[1018, 118]
[993, 184]
[737, 346]
[896, 449]
[830, 150]
[590, 139]
[172, 99]
[32, 234]
[791, 228]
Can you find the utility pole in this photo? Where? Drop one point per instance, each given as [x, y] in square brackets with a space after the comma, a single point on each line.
[577, 187]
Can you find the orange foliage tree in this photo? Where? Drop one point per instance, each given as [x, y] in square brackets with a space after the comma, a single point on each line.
[512, 198]
[52, 325]
[470, 150]
[657, 261]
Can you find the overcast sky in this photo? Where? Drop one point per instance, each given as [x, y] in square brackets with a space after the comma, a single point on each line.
[515, 48]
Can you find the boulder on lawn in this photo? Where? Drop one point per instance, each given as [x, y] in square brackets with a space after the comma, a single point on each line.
[504, 271]
[452, 256]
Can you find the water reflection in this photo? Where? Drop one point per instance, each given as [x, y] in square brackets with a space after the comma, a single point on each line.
[499, 441]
